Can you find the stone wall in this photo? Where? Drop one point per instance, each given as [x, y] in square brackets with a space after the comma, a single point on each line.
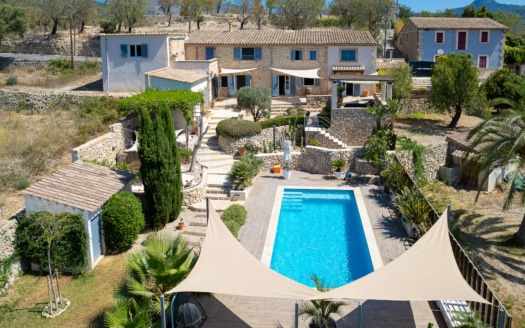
[7, 247]
[272, 159]
[230, 145]
[433, 157]
[353, 126]
[34, 63]
[316, 102]
[318, 160]
[416, 105]
[18, 100]
[109, 145]
[40, 45]
[196, 193]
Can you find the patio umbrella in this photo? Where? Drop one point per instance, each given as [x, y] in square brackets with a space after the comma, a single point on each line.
[287, 150]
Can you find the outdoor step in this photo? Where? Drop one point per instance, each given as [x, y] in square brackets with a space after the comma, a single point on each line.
[218, 196]
[217, 157]
[218, 180]
[193, 233]
[193, 243]
[220, 163]
[198, 224]
[220, 170]
[218, 205]
[218, 190]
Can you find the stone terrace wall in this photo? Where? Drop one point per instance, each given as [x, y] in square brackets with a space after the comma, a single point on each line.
[316, 102]
[18, 100]
[277, 159]
[352, 125]
[433, 157]
[7, 247]
[197, 193]
[230, 145]
[34, 63]
[39, 45]
[108, 145]
[416, 105]
[318, 160]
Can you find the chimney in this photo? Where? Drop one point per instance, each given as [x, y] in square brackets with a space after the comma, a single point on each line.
[230, 26]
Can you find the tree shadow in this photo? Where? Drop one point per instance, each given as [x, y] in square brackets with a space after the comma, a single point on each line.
[92, 86]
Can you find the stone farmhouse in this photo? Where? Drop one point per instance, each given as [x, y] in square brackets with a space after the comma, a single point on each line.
[427, 38]
[217, 63]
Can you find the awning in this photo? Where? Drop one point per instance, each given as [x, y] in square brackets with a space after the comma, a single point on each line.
[304, 73]
[227, 71]
[348, 68]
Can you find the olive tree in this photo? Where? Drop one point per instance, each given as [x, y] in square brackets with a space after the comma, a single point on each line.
[256, 99]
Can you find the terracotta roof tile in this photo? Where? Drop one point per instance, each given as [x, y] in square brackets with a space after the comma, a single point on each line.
[177, 75]
[81, 185]
[348, 68]
[178, 35]
[391, 63]
[281, 37]
[459, 23]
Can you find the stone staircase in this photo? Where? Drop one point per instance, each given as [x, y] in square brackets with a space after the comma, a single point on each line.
[325, 138]
[421, 82]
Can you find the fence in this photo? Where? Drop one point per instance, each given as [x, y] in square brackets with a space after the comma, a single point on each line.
[494, 314]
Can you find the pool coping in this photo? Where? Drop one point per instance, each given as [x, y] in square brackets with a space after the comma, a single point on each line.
[373, 248]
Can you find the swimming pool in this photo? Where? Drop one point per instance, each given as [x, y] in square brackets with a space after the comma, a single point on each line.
[318, 231]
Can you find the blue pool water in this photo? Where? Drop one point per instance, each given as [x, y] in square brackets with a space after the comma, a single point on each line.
[320, 232]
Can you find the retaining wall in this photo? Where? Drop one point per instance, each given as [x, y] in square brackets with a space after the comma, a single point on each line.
[7, 248]
[19, 100]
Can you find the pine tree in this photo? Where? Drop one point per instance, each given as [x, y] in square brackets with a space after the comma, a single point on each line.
[160, 167]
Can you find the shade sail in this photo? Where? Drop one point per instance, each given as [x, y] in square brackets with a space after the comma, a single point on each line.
[426, 271]
[227, 71]
[304, 73]
[226, 267]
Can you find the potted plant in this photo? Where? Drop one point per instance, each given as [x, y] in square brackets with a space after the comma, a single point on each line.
[180, 226]
[320, 311]
[242, 174]
[339, 165]
[340, 90]
[414, 210]
[287, 169]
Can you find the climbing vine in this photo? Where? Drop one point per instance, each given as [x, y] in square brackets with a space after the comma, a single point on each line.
[417, 158]
[152, 99]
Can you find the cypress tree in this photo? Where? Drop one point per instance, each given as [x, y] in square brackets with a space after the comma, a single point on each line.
[160, 167]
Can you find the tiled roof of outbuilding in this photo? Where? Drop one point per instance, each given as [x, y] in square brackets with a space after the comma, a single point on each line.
[281, 37]
[81, 185]
[391, 63]
[456, 23]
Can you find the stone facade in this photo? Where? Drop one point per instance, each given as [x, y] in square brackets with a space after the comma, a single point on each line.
[47, 46]
[196, 193]
[433, 158]
[230, 145]
[316, 103]
[318, 160]
[109, 145]
[353, 126]
[7, 247]
[18, 100]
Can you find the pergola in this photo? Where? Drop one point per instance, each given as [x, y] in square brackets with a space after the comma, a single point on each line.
[386, 83]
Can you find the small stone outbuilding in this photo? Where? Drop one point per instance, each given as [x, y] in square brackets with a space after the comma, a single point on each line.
[80, 188]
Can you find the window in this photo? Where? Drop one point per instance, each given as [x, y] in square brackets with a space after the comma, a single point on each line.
[348, 55]
[308, 82]
[462, 40]
[484, 37]
[247, 53]
[134, 50]
[296, 55]
[482, 61]
[440, 37]
[210, 53]
[224, 81]
[313, 54]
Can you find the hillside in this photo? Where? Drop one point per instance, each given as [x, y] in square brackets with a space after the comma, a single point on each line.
[493, 5]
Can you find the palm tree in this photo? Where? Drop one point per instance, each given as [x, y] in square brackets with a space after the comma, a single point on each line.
[500, 141]
[160, 265]
[320, 310]
[128, 314]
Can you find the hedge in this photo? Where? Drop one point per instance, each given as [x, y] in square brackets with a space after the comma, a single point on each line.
[282, 120]
[122, 220]
[234, 218]
[237, 128]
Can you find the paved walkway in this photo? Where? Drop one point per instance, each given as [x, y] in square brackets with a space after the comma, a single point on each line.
[235, 311]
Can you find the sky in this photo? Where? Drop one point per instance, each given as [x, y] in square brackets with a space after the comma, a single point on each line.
[433, 6]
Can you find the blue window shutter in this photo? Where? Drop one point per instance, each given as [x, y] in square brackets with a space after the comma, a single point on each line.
[357, 90]
[292, 55]
[124, 50]
[300, 53]
[248, 80]
[313, 55]
[258, 53]
[317, 82]
[236, 53]
[210, 53]
[144, 50]
[301, 82]
[230, 86]
[352, 55]
[292, 85]
[275, 85]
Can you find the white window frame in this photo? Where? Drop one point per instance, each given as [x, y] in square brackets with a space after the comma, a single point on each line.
[486, 61]
[435, 37]
[466, 40]
[480, 36]
[136, 46]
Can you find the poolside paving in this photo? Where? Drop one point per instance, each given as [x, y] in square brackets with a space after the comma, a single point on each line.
[236, 311]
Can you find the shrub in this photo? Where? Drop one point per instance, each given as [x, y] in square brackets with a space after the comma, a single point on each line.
[395, 176]
[68, 251]
[375, 151]
[23, 183]
[122, 220]
[244, 171]
[237, 128]
[60, 66]
[234, 218]
[252, 148]
[413, 205]
[89, 66]
[11, 80]
[185, 155]
[282, 121]
[108, 26]
[314, 142]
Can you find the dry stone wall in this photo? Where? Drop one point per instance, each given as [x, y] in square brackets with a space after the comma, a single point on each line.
[353, 126]
[433, 158]
[19, 100]
[197, 193]
[37, 45]
[230, 145]
[7, 247]
[316, 102]
[318, 160]
[272, 159]
[409, 106]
